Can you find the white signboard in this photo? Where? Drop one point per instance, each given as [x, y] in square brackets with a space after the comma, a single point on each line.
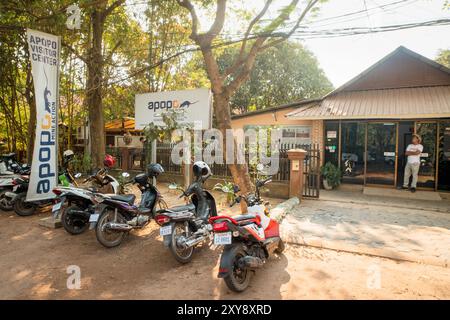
[192, 106]
[44, 52]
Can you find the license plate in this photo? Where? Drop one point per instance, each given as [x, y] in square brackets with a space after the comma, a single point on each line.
[94, 217]
[15, 188]
[222, 238]
[165, 231]
[57, 207]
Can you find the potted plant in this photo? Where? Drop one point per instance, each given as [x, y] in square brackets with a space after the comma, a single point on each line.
[331, 176]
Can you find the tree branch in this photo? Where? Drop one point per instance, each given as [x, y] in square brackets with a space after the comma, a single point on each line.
[113, 6]
[238, 62]
[190, 7]
[294, 28]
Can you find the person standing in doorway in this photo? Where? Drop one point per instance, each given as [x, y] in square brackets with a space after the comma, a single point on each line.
[412, 167]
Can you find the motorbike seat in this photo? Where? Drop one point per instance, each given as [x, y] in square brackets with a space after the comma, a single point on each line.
[243, 217]
[129, 198]
[8, 156]
[188, 207]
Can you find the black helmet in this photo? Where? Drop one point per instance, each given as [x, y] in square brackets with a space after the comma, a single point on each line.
[201, 169]
[154, 169]
[141, 178]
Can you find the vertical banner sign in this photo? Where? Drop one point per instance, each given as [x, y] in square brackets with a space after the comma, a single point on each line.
[44, 52]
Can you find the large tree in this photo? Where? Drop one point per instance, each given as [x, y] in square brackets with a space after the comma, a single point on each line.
[99, 12]
[298, 77]
[259, 35]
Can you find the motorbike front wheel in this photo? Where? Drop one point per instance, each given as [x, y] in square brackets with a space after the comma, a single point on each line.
[72, 224]
[5, 204]
[181, 254]
[23, 208]
[109, 238]
[238, 279]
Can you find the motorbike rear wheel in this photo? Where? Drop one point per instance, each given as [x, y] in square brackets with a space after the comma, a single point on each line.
[71, 224]
[238, 279]
[109, 238]
[23, 208]
[5, 205]
[180, 254]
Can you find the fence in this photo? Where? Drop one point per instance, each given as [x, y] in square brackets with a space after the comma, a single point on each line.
[311, 165]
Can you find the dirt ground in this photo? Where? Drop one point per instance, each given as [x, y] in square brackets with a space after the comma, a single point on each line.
[34, 263]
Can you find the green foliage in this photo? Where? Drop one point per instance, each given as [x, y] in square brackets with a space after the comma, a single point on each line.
[332, 174]
[82, 163]
[282, 74]
[226, 187]
[443, 57]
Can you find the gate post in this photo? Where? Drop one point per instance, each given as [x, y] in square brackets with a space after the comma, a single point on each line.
[296, 157]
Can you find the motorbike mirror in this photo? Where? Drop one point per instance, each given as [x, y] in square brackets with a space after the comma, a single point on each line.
[236, 188]
[259, 167]
[125, 174]
[77, 175]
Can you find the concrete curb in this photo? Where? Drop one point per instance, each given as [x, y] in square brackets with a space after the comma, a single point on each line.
[281, 210]
[337, 245]
[381, 204]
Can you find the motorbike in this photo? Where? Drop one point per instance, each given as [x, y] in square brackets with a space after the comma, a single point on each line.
[116, 215]
[9, 165]
[17, 198]
[248, 239]
[9, 169]
[184, 227]
[80, 204]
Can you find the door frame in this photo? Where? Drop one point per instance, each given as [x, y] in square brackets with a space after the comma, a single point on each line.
[436, 153]
[396, 123]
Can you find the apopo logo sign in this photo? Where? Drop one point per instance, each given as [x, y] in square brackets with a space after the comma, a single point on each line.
[44, 55]
[194, 107]
[169, 104]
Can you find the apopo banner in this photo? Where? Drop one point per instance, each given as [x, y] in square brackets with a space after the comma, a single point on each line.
[44, 51]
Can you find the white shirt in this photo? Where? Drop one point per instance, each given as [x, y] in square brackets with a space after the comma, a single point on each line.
[414, 147]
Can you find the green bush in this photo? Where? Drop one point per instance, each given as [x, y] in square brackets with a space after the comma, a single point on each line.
[332, 174]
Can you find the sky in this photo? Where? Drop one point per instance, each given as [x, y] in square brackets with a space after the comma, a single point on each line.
[345, 57]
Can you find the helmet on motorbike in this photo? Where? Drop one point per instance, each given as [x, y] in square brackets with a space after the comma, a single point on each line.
[68, 155]
[154, 169]
[109, 161]
[201, 169]
[141, 178]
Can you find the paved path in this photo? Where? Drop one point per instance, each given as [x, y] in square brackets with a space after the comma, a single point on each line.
[386, 231]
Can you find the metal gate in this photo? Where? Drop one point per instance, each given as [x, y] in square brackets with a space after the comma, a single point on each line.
[311, 172]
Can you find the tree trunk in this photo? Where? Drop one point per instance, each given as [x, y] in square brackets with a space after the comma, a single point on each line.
[94, 91]
[239, 172]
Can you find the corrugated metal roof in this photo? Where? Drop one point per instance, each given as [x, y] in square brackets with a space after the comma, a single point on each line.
[126, 123]
[419, 102]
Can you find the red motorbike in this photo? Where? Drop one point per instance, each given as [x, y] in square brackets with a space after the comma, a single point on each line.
[249, 239]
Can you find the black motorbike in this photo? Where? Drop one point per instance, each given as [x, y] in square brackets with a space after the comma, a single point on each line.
[184, 227]
[17, 198]
[10, 169]
[116, 215]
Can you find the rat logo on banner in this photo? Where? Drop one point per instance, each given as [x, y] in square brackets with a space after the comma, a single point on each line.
[44, 52]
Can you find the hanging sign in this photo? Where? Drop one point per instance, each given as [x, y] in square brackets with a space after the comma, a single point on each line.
[44, 50]
[192, 107]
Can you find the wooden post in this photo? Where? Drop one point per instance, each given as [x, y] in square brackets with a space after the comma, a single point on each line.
[125, 158]
[296, 158]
